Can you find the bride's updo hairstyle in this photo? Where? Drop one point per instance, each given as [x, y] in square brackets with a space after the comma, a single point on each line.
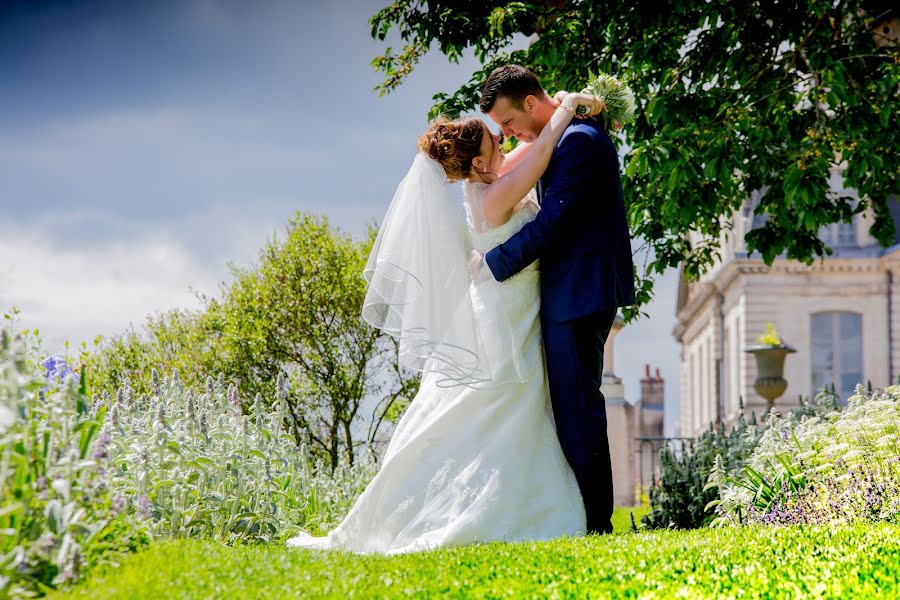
[453, 144]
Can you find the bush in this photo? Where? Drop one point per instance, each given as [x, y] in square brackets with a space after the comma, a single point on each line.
[678, 498]
[197, 466]
[85, 481]
[56, 508]
[842, 466]
[681, 498]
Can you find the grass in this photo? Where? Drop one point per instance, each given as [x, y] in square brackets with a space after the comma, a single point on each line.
[621, 519]
[754, 562]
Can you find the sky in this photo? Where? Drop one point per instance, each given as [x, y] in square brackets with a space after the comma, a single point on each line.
[145, 145]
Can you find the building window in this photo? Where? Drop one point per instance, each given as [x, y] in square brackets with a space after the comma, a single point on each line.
[836, 340]
[846, 234]
[704, 380]
[688, 401]
[734, 386]
[740, 357]
[839, 235]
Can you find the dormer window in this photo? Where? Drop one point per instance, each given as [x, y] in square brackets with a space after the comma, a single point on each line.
[839, 235]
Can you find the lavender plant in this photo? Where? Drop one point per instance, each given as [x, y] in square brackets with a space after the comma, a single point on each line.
[194, 465]
[678, 499]
[683, 496]
[55, 504]
[837, 467]
[85, 480]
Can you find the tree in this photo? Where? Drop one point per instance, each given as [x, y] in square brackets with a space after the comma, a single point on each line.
[734, 97]
[295, 314]
[299, 312]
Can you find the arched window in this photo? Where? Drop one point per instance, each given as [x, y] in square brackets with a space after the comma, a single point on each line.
[836, 351]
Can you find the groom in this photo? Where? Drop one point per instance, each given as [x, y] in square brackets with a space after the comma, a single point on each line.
[582, 239]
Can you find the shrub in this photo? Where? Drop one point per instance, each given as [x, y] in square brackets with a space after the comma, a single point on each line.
[838, 467]
[56, 509]
[296, 313]
[681, 498]
[678, 498]
[194, 465]
[83, 481]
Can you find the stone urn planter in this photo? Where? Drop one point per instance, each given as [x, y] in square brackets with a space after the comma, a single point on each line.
[770, 382]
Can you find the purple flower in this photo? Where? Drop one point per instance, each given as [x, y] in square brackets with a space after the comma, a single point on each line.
[102, 443]
[118, 503]
[57, 368]
[143, 505]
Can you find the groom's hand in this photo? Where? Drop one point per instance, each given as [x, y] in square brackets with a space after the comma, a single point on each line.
[477, 269]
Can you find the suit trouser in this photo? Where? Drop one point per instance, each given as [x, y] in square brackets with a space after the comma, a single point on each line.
[574, 355]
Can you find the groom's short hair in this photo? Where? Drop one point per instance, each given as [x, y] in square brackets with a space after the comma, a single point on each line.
[513, 82]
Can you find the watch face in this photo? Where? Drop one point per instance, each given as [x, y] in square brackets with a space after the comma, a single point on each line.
[581, 110]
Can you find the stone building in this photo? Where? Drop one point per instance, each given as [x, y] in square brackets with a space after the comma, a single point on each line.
[841, 314]
[649, 422]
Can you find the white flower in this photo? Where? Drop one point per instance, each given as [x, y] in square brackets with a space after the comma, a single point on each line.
[62, 487]
[7, 418]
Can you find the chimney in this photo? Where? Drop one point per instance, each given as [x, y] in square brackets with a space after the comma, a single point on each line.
[651, 404]
[652, 389]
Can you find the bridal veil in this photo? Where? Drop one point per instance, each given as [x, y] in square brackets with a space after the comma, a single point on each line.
[421, 293]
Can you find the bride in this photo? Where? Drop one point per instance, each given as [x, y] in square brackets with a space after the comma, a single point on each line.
[475, 458]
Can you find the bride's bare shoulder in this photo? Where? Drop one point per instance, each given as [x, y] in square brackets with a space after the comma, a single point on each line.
[474, 189]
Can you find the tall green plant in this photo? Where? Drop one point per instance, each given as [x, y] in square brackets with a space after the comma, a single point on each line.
[683, 497]
[57, 516]
[836, 465]
[84, 480]
[679, 498]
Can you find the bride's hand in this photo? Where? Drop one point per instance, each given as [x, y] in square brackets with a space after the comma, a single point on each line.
[593, 104]
[559, 96]
[477, 267]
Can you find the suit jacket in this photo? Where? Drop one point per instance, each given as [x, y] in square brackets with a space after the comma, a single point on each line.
[580, 234]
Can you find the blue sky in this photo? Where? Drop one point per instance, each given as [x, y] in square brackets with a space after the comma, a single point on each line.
[144, 145]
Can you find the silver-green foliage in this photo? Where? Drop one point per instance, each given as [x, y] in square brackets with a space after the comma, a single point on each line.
[297, 312]
[82, 481]
[56, 510]
[195, 465]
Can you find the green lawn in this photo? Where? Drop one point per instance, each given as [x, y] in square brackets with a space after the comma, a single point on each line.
[757, 562]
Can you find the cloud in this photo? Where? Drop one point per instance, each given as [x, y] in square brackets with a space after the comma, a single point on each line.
[152, 162]
[76, 294]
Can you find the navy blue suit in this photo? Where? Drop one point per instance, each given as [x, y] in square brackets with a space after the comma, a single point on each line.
[581, 237]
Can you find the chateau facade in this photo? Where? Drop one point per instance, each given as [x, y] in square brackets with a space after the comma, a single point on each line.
[841, 314]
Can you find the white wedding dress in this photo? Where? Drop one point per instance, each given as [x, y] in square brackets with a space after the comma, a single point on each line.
[466, 464]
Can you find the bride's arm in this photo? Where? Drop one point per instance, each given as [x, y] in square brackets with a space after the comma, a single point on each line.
[502, 195]
[514, 157]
